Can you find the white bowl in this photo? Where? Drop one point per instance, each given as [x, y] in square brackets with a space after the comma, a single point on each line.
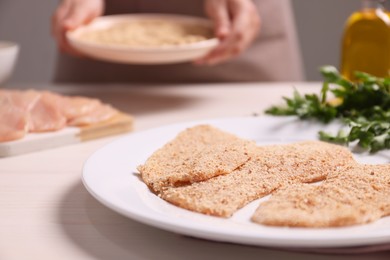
[141, 55]
[8, 56]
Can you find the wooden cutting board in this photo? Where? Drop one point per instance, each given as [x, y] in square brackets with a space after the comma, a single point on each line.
[118, 124]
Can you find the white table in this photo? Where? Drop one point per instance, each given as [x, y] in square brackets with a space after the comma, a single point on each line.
[46, 213]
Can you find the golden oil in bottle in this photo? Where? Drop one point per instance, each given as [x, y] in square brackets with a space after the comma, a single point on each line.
[366, 41]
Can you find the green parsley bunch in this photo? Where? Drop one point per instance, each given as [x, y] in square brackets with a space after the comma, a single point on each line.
[363, 105]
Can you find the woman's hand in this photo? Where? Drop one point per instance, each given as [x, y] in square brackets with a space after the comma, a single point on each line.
[71, 14]
[236, 25]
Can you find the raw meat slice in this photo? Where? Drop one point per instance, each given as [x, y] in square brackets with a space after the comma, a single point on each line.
[13, 121]
[73, 107]
[24, 100]
[45, 115]
[99, 114]
[79, 106]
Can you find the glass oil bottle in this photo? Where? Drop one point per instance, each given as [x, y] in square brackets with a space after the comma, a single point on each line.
[366, 41]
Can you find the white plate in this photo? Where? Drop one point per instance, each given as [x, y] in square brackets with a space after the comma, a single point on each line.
[138, 55]
[109, 175]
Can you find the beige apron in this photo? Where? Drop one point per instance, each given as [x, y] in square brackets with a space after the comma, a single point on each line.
[274, 56]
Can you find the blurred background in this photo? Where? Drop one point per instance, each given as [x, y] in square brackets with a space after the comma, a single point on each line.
[319, 23]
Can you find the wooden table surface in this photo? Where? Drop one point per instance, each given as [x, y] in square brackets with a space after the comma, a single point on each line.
[46, 213]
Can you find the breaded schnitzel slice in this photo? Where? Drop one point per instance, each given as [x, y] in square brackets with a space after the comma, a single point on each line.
[357, 196]
[196, 154]
[269, 168]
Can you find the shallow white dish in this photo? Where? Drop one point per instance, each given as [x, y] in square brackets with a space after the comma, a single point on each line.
[110, 176]
[8, 56]
[138, 55]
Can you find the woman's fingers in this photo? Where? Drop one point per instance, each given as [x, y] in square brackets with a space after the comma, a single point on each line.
[58, 16]
[58, 29]
[80, 14]
[70, 15]
[217, 10]
[244, 26]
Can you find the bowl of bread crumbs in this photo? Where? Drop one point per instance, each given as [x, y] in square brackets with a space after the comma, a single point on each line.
[144, 38]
